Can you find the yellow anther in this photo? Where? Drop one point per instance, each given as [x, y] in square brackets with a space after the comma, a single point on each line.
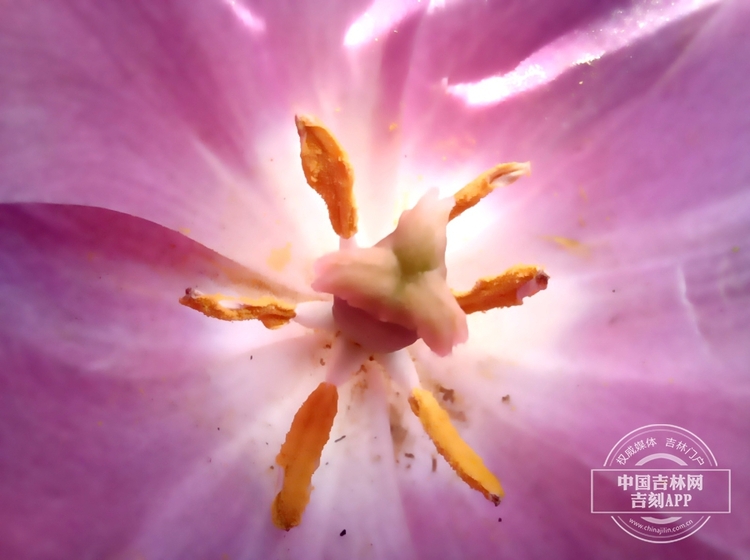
[462, 458]
[329, 173]
[269, 311]
[499, 176]
[505, 290]
[300, 454]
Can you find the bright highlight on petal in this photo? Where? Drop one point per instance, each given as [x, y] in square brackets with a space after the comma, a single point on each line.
[461, 457]
[269, 311]
[252, 21]
[622, 28]
[329, 173]
[505, 290]
[300, 454]
[382, 17]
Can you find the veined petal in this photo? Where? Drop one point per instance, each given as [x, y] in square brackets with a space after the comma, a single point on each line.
[165, 111]
[89, 287]
[643, 233]
[343, 517]
[549, 429]
[654, 253]
[519, 28]
[106, 398]
[559, 126]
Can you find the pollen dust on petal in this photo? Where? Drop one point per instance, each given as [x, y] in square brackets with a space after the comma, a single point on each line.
[505, 290]
[279, 258]
[571, 245]
[329, 173]
[269, 311]
[499, 176]
[300, 454]
[459, 455]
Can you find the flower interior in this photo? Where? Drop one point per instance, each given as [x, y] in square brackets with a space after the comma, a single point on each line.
[384, 298]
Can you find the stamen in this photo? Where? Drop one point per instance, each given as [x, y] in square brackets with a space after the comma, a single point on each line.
[400, 368]
[462, 458]
[346, 360]
[505, 290]
[499, 176]
[269, 311]
[300, 454]
[315, 315]
[329, 173]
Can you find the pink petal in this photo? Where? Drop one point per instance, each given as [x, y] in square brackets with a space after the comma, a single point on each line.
[657, 283]
[542, 443]
[106, 401]
[214, 519]
[464, 41]
[166, 111]
[133, 425]
[91, 287]
[560, 126]
[645, 321]
[569, 409]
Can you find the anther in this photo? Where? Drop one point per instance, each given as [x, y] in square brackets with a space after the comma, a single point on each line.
[499, 176]
[300, 454]
[269, 311]
[329, 173]
[505, 290]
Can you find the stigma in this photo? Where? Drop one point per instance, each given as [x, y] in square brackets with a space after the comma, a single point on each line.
[383, 299]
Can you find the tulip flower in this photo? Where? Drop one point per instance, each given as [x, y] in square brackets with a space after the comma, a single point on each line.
[227, 333]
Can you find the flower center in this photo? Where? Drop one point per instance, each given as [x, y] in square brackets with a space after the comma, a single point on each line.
[385, 298]
[401, 280]
[372, 334]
